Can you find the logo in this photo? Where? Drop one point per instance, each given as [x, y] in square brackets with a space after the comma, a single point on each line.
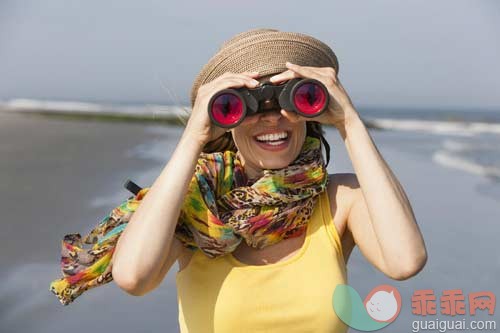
[379, 309]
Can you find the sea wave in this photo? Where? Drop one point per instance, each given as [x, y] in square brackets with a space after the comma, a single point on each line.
[452, 160]
[459, 128]
[477, 146]
[72, 107]
[155, 111]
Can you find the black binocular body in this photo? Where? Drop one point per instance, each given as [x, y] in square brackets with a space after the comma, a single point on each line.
[307, 97]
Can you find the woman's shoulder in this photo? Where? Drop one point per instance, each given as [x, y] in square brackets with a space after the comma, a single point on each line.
[342, 189]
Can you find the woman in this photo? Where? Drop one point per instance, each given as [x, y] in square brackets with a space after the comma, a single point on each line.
[235, 276]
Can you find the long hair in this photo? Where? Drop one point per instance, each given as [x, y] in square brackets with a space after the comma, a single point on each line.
[226, 142]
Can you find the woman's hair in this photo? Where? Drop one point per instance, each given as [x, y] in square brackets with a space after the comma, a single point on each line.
[226, 142]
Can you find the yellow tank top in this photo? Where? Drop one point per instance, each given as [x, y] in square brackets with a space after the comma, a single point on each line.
[295, 295]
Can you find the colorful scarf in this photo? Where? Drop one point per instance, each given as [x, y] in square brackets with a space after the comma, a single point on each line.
[221, 208]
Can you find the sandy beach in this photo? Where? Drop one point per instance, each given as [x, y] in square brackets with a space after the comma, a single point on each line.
[62, 176]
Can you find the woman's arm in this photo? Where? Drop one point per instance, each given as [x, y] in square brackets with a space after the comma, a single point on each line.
[145, 244]
[381, 218]
[146, 248]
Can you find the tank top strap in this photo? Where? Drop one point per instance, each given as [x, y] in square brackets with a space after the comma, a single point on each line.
[327, 224]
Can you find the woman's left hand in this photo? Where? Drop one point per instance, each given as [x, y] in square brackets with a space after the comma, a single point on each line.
[340, 106]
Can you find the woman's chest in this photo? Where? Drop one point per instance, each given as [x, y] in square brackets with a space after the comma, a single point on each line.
[280, 251]
[248, 255]
[291, 295]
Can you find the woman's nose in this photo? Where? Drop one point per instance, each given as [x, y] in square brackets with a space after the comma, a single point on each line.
[271, 116]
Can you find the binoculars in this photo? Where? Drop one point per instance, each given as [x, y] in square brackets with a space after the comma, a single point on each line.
[307, 97]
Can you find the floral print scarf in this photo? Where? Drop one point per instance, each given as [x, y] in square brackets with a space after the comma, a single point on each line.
[221, 209]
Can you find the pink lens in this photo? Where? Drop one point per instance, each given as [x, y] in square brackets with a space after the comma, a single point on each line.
[309, 98]
[227, 109]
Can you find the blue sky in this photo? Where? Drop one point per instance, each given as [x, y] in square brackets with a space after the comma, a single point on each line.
[440, 54]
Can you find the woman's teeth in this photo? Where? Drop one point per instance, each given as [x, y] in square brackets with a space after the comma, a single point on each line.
[274, 143]
[273, 139]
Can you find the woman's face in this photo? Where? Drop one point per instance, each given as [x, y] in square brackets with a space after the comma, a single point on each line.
[268, 140]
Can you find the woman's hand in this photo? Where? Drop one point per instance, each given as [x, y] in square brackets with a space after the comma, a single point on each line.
[340, 107]
[199, 123]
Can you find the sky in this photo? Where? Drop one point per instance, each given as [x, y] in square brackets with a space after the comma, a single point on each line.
[418, 54]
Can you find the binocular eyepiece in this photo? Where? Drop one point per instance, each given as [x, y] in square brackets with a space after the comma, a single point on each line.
[307, 97]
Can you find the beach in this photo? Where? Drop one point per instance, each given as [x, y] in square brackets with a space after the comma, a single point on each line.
[61, 176]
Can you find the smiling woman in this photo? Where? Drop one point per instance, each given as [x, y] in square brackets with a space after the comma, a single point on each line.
[285, 141]
[261, 232]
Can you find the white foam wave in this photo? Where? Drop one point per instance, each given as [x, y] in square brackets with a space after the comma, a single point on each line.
[69, 107]
[26, 287]
[456, 146]
[437, 127]
[452, 145]
[451, 160]
[109, 201]
[155, 150]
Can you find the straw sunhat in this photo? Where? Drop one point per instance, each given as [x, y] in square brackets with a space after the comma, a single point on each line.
[265, 51]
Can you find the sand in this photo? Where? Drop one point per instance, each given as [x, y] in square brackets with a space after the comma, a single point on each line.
[62, 176]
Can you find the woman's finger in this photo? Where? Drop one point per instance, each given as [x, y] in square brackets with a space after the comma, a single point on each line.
[251, 74]
[302, 70]
[285, 76]
[236, 82]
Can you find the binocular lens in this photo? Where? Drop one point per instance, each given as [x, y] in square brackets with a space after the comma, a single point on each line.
[227, 109]
[309, 98]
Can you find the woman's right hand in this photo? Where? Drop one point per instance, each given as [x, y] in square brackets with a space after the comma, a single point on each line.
[199, 123]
